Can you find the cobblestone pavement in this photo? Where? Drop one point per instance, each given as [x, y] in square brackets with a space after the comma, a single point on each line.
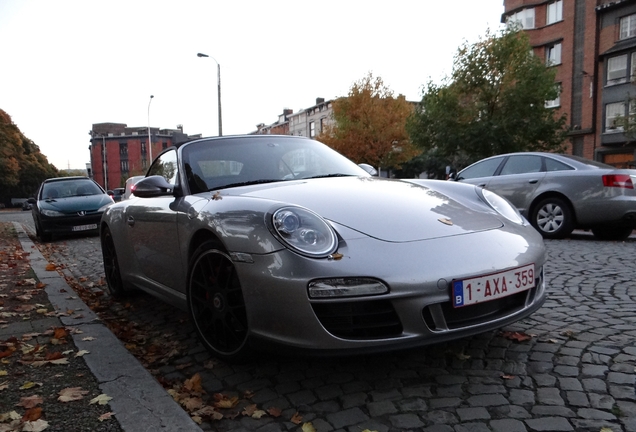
[577, 372]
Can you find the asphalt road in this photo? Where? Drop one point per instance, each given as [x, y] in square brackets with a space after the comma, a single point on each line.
[576, 373]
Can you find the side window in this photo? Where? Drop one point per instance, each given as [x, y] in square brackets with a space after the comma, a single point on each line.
[166, 166]
[485, 168]
[521, 165]
[554, 165]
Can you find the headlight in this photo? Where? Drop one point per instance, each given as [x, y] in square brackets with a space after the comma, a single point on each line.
[51, 213]
[304, 231]
[501, 206]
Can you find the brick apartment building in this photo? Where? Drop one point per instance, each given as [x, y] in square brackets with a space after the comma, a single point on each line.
[118, 151]
[308, 122]
[592, 45]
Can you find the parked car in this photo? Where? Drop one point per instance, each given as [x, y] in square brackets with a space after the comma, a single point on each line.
[116, 194]
[558, 193]
[68, 205]
[279, 240]
[130, 183]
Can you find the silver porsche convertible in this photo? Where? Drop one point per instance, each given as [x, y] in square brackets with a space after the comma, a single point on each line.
[280, 241]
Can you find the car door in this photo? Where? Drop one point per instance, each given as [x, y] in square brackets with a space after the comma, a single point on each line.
[152, 227]
[518, 179]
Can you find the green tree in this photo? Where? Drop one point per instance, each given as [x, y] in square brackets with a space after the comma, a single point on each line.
[22, 166]
[370, 125]
[494, 102]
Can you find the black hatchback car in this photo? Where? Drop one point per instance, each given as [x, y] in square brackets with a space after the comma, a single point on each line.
[68, 205]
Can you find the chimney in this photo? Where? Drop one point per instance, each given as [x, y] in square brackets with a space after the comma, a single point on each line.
[320, 100]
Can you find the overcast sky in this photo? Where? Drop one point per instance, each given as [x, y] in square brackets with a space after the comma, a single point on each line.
[67, 64]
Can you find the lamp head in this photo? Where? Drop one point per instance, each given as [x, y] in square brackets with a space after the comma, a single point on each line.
[202, 55]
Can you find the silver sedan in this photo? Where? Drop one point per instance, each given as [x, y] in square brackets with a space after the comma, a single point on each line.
[558, 193]
[280, 241]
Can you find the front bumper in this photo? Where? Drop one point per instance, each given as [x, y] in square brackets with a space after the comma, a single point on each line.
[415, 312]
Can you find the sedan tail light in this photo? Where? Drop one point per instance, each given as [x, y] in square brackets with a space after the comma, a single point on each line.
[618, 180]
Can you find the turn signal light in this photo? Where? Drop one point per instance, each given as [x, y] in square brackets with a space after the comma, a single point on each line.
[618, 180]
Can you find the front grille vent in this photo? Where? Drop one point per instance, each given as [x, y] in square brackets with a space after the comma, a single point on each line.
[360, 319]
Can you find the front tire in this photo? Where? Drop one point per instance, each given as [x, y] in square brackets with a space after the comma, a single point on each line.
[553, 218]
[111, 266]
[216, 305]
[612, 233]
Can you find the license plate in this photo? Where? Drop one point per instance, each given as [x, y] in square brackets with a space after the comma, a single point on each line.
[493, 286]
[85, 227]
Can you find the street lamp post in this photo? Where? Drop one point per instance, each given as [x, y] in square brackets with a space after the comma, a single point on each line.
[218, 84]
[149, 136]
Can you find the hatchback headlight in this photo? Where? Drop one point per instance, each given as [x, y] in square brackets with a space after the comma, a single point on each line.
[51, 213]
[304, 231]
[501, 206]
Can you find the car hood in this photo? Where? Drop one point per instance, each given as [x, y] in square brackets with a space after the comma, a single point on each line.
[74, 204]
[389, 210]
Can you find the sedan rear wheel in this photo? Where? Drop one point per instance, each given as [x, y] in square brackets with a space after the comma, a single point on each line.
[612, 233]
[111, 265]
[216, 304]
[553, 218]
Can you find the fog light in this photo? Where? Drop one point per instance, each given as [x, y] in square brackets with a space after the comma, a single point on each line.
[346, 287]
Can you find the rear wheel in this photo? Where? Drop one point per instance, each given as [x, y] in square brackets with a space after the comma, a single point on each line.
[553, 218]
[612, 233]
[216, 304]
[111, 265]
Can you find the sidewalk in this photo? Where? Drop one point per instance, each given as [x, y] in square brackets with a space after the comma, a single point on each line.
[139, 402]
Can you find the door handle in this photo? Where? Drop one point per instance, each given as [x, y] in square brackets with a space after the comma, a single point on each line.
[533, 181]
[130, 221]
[483, 185]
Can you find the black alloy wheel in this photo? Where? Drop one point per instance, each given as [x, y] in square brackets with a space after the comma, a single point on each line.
[216, 304]
[553, 218]
[111, 265]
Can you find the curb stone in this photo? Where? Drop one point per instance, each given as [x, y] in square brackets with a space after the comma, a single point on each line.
[139, 402]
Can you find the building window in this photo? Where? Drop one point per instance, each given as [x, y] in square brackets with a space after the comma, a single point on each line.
[312, 129]
[124, 166]
[613, 113]
[553, 54]
[555, 102]
[164, 145]
[555, 12]
[525, 18]
[143, 147]
[627, 27]
[123, 149]
[617, 69]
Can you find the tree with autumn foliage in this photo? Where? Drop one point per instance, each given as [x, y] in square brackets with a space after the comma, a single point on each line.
[494, 102]
[370, 125]
[22, 166]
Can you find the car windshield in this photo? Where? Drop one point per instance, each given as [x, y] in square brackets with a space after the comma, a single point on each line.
[235, 161]
[69, 188]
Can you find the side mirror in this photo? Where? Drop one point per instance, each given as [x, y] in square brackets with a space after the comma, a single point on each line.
[452, 176]
[153, 186]
[369, 169]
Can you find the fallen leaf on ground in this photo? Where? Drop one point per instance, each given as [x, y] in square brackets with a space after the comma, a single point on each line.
[308, 427]
[105, 416]
[35, 426]
[71, 394]
[32, 414]
[50, 267]
[275, 412]
[102, 399]
[516, 336]
[297, 418]
[30, 401]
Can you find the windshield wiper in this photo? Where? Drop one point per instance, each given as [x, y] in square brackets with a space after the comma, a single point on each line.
[326, 176]
[245, 183]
